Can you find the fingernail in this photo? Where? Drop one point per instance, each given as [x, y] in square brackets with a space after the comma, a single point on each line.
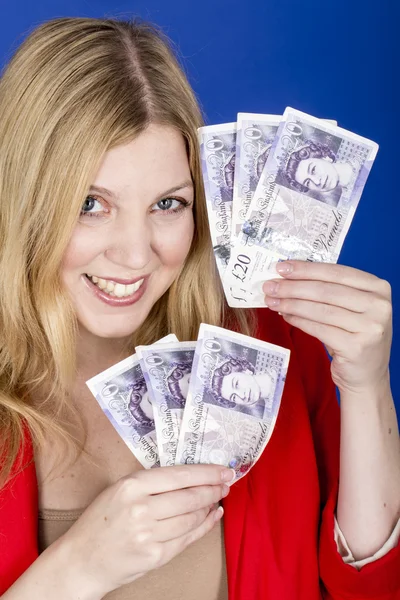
[228, 475]
[271, 288]
[272, 302]
[225, 490]
[284, 267]
[218, 513]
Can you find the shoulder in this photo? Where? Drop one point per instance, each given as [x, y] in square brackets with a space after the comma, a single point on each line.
[18, 522]
[24, 459]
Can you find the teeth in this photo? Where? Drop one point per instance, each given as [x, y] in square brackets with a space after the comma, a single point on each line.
[116, 289]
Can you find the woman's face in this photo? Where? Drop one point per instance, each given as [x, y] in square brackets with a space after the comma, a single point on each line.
[139, 231]
[317, 174]
[241, 388]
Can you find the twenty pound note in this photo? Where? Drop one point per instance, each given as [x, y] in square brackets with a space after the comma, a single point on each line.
[166, 369]
[254, 139]
[304, 202]
[218, 153]
[122, 393]
[233, 399]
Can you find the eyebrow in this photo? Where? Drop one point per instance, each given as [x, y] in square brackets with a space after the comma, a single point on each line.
[102, 190]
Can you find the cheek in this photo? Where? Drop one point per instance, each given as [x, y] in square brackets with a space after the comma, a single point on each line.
[173, 244]
[80, 250]
[327, 169]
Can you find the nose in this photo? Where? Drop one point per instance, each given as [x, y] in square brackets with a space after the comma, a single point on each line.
[316, 179]
[131, 245]
[244, 395]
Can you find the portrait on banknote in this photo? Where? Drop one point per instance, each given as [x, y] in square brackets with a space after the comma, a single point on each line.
[261, 160]
[177, 382]
[319, 165]
[140, 407]
[229, 173]
[234, 384]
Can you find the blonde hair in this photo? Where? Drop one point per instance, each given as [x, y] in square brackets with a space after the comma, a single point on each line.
[73, 90]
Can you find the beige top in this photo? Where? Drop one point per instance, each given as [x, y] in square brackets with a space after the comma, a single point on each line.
[197, 573]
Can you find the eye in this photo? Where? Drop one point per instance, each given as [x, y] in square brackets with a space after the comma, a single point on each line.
[233, 398]
[313, 170]
[88, 205]
[170, 205]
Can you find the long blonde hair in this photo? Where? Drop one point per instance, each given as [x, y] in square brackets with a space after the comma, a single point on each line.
[73, 90]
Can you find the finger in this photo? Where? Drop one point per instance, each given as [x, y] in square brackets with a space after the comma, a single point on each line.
[322, 313]
[334, 294]
[174, 547]
[171, 504]
[158, 481]
[328, 335]
[175, 527]
[344, 275]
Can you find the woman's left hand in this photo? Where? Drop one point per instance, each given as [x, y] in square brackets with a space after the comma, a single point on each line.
[349, 310]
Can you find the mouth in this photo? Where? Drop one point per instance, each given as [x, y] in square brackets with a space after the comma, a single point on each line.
[325, 183]
[113, 289]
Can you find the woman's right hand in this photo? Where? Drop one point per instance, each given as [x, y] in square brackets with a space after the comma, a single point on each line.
[143, 520]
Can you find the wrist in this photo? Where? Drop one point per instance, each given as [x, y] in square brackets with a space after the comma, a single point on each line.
[79, 580]
[373, 390]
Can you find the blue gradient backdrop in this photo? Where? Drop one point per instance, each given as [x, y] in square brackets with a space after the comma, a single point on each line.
[338, 60]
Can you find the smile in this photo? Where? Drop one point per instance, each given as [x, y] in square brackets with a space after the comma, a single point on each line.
[116, 290]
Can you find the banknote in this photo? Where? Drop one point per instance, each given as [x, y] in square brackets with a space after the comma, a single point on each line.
[304, 202]
[254, 137]
[233, 399]
[166, 369]
[217, 152]
[122, 394]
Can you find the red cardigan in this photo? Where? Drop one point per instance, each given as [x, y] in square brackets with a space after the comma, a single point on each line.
[279, 519]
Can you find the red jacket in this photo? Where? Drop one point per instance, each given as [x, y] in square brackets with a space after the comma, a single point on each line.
[279, 519]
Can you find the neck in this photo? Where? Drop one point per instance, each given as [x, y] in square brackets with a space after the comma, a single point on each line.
[94, 354]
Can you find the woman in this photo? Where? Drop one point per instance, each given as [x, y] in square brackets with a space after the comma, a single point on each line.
[313, 170]
[100, 183]
[234, 385]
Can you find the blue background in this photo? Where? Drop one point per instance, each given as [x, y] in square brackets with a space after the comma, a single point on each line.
[337, 60]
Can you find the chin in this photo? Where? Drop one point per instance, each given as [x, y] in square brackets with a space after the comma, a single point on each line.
[108, 332]
[104, 327]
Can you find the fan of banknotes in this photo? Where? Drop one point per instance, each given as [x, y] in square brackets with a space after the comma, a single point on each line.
[214, 400]
[279, 187]
[276, 188]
